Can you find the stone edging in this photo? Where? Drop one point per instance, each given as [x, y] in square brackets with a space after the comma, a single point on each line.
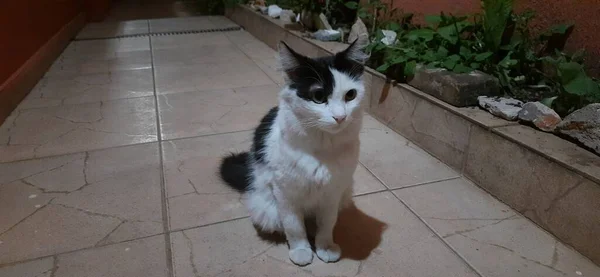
[551, 181]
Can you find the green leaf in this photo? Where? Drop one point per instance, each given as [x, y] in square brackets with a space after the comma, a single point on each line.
[424, 34]
[429, 56]
[570, 71]
[582, 86]
[399, 59]
[441, 53]
[465, 52]
[483, 56]
[448, 33]
[461, 68]
[507, 62]
[394, 26]
[496, 15]
[410, 68]
[451, 62]
[561, 28]
[433, 20]
[383, 67]
[548, 101]
[432, 65]
[352, 5]
[475, 65]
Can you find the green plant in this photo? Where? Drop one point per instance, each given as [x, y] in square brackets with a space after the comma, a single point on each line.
[496, 14]
[448, 42]
[371, 13]
[497, 42]
[576, 88]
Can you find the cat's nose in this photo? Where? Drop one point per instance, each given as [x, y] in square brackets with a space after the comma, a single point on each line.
[339, 119]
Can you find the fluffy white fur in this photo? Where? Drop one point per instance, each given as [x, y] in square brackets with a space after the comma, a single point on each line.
[309, 168]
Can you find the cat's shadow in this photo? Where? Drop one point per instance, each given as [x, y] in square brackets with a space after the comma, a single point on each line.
[356, 232]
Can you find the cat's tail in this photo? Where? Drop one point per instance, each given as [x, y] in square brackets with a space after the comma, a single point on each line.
[235, 171]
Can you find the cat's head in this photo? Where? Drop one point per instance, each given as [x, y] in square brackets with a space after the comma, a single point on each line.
[325, 92]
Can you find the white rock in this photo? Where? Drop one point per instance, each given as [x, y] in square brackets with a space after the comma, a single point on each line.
[274, 11]
[264, 10]
[583, 125]
[327, 35]
[507, 108]
[389, 37]
[287, 16]
[540, 115]
[359, 29]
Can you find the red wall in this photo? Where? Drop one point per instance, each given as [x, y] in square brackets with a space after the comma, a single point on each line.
[25, 25]
[584, 14]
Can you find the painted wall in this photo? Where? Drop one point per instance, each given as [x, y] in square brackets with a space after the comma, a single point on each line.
[25, 26]
[584, 14]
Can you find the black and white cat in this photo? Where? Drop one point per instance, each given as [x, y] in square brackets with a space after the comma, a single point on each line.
[305, 151]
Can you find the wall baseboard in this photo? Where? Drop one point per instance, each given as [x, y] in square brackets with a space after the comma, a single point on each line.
[20, 83]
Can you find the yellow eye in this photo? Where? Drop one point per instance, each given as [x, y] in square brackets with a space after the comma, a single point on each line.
[350, 95]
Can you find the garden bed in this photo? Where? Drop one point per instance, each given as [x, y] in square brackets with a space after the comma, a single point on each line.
[553, 182]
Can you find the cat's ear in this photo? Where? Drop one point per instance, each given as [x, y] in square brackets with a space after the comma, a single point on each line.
[288, 58]
[356, 50]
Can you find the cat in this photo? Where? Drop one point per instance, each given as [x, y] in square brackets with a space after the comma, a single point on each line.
[305, 151]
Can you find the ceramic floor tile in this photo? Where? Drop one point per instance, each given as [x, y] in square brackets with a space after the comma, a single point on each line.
[37, 268]
[189, 41]
[140, 258]
[197, 196]
[209, 76]
[67, 67]
[365, 182]
[212, 112]
[455, 206]
[105, 48]
[251, 46]
[228, 53]
[75, 201]
[112, 29]
[490, 235]
[74, 128]
[271, 68]
[379, 238]
[396, 161]
[90, 88]
[181, 24]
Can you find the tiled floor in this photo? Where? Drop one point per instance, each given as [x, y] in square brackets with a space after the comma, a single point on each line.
[108, 169]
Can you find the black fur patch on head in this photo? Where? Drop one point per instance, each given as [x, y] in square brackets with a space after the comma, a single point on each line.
[261, 133]
[308, 73]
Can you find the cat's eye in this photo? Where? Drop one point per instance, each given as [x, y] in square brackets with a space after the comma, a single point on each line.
[318, 96]
[350, 95]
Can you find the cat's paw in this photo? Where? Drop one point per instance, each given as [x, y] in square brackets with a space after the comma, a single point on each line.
[301, 256]
[329, 254]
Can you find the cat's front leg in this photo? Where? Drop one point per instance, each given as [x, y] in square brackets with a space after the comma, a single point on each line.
[327, 250]
[295, 233]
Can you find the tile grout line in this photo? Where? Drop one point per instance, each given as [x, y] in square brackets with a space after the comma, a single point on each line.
[440, 237]
[121, 146]
[425, 183]
[404, 187]
[122, 242]
[163, 188]
[426, 224]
